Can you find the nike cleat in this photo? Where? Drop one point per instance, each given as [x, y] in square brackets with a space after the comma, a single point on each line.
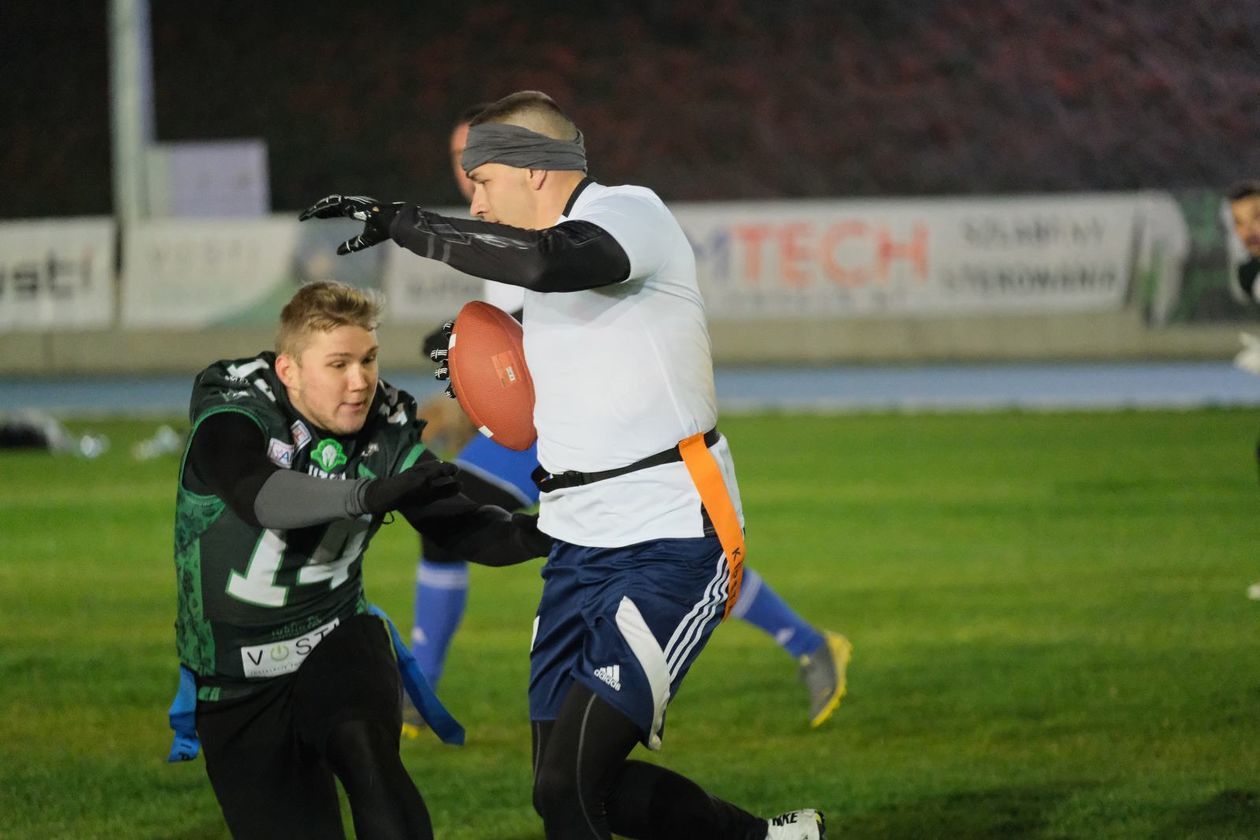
[806, 824]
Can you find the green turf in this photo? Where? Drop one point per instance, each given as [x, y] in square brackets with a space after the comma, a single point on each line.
[1051, 638]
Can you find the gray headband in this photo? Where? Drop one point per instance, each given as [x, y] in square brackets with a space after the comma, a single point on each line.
[512, 145]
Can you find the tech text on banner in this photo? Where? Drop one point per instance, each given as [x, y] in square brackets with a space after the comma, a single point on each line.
[922, 257]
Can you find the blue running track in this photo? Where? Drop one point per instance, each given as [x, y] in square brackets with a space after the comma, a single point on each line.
[1049, 387]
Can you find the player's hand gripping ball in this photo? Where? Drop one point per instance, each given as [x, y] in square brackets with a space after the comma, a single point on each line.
[486, 364]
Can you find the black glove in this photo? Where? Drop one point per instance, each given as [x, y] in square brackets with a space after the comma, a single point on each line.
[437, 346]
[534, 541]
[438, 340]
[426, 481]
[376, 218]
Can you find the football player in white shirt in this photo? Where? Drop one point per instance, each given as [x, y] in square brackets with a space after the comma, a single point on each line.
[638, 486]
[494, 474]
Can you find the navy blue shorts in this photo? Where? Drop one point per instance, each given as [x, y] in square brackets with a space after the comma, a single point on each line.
[625, 622]
[503, 467]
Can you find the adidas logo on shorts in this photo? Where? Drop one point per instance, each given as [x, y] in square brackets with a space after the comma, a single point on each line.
[610, 674]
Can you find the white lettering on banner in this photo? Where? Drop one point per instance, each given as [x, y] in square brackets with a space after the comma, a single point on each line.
[206, 271]
[998, 233]
[56, 274]
[822, 259]
[1030, 279]
[282, 657]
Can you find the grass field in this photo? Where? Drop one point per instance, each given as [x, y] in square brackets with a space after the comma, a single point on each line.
[1051, 638]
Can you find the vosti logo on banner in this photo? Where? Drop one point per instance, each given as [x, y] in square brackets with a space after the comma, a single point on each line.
[202, 272]
[56, 274]
[207, 271]
[912, 257]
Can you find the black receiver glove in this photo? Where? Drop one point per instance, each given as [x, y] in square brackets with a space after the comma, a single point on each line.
[438, 341]
[376, 217]
[437, 345]
[531, 539]
[425, 482]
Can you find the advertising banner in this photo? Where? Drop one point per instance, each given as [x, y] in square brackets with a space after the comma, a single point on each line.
[425, 291]
[926, 257]
[1204, 287]
[179, 272]
[182, 272]
[837, 259]
[56, 274]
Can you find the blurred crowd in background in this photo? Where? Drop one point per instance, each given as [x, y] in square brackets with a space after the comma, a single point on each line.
[731, 99]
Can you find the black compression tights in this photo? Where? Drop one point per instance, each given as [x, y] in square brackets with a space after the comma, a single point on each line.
[585, 788]
[384, 801]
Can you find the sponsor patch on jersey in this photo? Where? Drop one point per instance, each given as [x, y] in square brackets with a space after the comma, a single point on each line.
[280, 453]
[301, 434]
[282, 657]
[328, 454]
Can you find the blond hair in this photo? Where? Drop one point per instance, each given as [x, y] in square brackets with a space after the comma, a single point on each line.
[323, 306]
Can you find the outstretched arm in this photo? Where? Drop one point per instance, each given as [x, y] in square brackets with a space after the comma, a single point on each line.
[569, 257]
[478, 533]
[227, 459]
[572, 256]
[485, 534]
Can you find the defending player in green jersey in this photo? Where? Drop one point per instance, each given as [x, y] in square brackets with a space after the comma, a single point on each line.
[294, 461]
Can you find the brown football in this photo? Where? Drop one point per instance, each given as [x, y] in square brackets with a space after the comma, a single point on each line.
[488, 373]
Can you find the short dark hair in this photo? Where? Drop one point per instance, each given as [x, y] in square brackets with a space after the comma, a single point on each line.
[1243, 189]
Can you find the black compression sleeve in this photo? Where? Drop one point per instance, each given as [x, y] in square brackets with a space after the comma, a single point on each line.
[569, 257]
[227, 458]
[469, 530]
[480, 491]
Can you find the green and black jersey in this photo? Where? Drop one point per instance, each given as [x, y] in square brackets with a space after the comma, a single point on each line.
[254, 601]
